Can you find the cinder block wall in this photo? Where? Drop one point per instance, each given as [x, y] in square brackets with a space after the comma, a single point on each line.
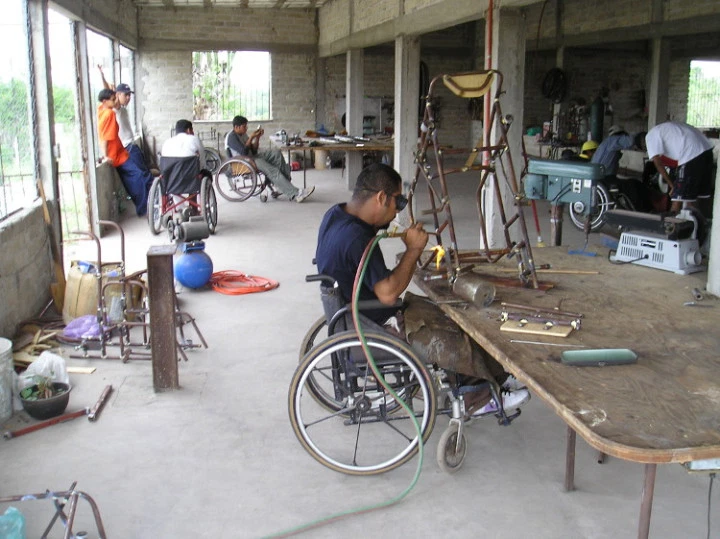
[25, 268]
[168, 38]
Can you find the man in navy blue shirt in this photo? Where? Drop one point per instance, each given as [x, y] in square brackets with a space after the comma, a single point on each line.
[345, 232]
[348, 228]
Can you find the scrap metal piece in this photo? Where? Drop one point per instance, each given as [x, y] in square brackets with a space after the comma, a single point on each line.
[95, 411]
[47, 423]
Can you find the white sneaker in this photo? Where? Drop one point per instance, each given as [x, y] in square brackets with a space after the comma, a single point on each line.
[512, 384]
[304, 193]
[511, 399]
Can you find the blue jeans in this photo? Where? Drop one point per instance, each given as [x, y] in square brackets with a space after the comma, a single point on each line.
[136, 178]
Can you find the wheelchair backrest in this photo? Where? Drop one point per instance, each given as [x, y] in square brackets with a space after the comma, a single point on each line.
[180, 174]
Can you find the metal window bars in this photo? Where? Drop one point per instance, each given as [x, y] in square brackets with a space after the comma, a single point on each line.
[491, 157]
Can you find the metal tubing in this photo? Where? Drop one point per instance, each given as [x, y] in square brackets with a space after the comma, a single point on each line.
[95, 410]
[47, 423]
[570, 460]
[647, 499]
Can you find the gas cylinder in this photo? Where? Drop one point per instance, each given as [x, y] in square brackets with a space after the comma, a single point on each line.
[193, 268]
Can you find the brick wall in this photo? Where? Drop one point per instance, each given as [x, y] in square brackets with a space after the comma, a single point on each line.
[165, 76]
[25, 275]
[374, 12]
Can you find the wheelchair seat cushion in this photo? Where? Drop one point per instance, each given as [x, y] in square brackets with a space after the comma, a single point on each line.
[438, 340]
[181, 174]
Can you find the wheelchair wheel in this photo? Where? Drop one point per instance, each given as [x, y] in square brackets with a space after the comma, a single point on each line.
[212, 160]
[156, 196]
[236, 180]
[451, 451]
[208, 204]
[597, 214]
[360, 429]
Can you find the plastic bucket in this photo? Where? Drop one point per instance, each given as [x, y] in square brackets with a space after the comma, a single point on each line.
[6, 381]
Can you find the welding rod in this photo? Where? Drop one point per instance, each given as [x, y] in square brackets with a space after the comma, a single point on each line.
[549, 343]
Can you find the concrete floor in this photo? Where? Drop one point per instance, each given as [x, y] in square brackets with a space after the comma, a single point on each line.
[218, 458]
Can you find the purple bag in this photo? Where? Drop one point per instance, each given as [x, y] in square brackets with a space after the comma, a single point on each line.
[83, 327]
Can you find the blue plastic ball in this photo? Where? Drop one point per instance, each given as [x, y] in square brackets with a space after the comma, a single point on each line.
[193, 269]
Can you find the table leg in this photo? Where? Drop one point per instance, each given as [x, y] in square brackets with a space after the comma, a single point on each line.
[647, 499]
[570, 460]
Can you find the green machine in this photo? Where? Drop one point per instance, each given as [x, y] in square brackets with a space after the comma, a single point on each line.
[563, 182]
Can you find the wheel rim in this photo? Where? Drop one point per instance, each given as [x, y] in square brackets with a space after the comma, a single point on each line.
[235, 186]
[360, 438]
[450, 454]
[597, 215]
[155, 208]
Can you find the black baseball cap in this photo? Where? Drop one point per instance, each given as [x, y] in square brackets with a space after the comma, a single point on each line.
[123, 88]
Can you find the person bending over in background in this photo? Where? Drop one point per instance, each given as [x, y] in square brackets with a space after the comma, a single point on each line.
[270, 162]
[137, 181]
[345, 232]
[693, 153]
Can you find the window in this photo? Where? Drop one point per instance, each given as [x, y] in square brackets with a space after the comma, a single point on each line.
[230, 83]
[100, 53]
[17, 140]
[704, 94]
[127, 68]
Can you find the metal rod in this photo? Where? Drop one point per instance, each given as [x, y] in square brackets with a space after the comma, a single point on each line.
[541, 309]
[647, 499]
[549, 343]
[570, 460]
[95, 411]
[47, 423]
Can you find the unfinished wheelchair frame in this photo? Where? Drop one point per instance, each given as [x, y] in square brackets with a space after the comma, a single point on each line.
[494, 155]
[347, 420]
[129, 316]
[238, 179]
[60, 499]
[177, 195]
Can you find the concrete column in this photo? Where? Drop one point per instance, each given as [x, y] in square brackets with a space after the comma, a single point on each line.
[354, 86]
[659, 82]
[407, 97]
[560, 55]
[43, 117]
[713, 284]
[508, 57]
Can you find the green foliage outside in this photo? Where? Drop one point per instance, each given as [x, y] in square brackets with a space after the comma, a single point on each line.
[15, 130]
[703, 99]
[216, 93]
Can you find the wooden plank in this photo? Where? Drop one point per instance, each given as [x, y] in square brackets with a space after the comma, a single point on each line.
[536, 328]
[659, 410]
[80, 370]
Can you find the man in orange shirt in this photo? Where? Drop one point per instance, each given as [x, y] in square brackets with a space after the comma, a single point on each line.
[137, 182]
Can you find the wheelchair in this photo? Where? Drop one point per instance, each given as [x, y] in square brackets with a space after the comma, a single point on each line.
[348, 421]
[182, 192]
[237, 179]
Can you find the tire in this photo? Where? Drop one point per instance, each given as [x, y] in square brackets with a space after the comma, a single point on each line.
[155, 205]
[623, 202]
[597, 215]
[208, 204]
[212, 160]
[450, 454]
[236, 180]
[319, 382]
[360, 438]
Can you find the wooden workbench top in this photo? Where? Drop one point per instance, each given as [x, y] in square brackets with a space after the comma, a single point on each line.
[664, 408]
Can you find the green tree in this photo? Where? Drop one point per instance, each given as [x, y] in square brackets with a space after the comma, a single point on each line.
[15, 130]
[703, 99]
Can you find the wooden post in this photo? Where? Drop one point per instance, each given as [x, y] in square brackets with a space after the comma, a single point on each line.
[570, 460]
[162, 317]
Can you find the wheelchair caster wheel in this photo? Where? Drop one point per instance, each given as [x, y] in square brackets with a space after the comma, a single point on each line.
[451, 449]
[263, 198]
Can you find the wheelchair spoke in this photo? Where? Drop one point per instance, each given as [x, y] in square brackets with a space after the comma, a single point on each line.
[352, 431]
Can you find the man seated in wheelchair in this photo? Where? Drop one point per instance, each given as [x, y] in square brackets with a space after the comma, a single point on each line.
[181, 174]
[270, 162]
[345, 232]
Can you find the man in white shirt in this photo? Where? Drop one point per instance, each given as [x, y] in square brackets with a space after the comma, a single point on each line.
[184, 144]
[123, 94]
[693, 153]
